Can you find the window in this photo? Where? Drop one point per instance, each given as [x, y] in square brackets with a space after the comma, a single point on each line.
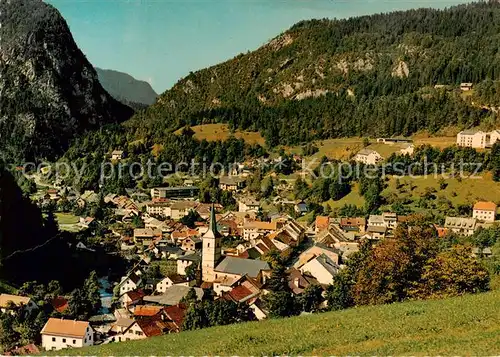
[53, 339]
[74, 342]
[138, 333]
[64, 340]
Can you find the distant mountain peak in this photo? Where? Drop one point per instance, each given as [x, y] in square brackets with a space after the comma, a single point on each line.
[126, 88]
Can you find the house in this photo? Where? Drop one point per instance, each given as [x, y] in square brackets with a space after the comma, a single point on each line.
[375, 232]
[253, 229]
[117, 155]
[407, 149]
[129, 282]
[146, 236]
[144, 328]
[321, 223]
[87, 222]
[171, 280]
[368, 157]
[298, 282]
[300, 208]
[290, 234]
[181, 209]
[231, 183]
[186, 260]
[315, 251]
[191, 244]
[242, 290]
[175, 192]
[130, 299]
[233, 267]
[58, 334]
[484, 211]
[387, 219]
[173, 295]
[203, 209]
[322, 268]
[461, 226]
[392, 141]
[159, 208]
[175, 316]
[147, 312]
[10, 302]
[248, 204]
[465, 87]
[354, 224]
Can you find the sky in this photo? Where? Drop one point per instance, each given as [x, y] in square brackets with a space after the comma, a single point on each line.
[161, 41]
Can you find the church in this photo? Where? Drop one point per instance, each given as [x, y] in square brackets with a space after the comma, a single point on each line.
[216, 267]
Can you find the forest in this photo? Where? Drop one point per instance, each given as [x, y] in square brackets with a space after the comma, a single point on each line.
[380, 75]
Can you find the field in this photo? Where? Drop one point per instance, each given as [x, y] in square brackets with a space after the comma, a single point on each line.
[66, 218]
[468, 325]
[468, 191]
[215, 132]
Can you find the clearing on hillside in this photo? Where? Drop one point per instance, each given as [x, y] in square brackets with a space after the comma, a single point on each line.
[215, 132]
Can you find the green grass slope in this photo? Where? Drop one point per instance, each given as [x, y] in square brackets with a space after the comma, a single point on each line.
[468, 325]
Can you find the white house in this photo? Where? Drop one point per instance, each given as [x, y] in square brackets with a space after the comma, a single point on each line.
[129, 283]
[7, 301]
[248, 204]
[368, 157]
[323, 268]
[407, 149]
[484, 211]
[171, 280]
[59, 333]
[117, 155]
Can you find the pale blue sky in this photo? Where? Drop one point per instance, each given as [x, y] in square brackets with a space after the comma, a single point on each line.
[161, 41]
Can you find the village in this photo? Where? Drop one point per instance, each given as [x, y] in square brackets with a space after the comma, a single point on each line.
[179, 249]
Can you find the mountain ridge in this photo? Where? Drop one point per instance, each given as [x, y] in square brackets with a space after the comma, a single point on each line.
[351, 77]
[125, 88]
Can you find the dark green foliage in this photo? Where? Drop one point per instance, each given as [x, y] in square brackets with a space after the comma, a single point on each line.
[495, 161]
[221, 312]
[352, 63]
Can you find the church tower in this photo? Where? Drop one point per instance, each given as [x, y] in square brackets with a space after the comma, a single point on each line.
[211, 252]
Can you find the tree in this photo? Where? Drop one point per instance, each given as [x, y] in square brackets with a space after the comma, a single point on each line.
[339, 293]
[495, 161]
[452, 273]
[311, 298]
[281, 304]
[91, 287]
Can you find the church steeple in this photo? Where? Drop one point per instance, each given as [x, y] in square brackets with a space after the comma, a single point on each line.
[212, 248]
[212, 228]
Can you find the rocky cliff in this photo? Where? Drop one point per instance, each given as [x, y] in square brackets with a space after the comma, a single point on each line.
[49, 91]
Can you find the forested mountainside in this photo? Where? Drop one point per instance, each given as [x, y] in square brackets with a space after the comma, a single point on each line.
[370, 75]
[49, 91]
[125, 88]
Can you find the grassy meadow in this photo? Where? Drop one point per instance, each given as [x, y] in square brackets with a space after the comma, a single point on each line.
[216, 132]
[468, 325]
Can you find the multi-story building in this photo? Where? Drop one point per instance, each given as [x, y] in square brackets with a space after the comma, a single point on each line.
[484, 211]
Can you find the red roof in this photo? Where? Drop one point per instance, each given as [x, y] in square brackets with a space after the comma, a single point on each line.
[147, 310]
[60, 304]
[176, 314]
[136, 295]
[322, 222]
[239, 293]
[485, 206]
[152, 327]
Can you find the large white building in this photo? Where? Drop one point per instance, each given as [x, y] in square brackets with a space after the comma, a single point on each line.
[59, 333]
[368, 157]
[477, 139]
[484, 211]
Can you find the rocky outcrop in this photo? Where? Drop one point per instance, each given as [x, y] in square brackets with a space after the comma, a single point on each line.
[49, 91]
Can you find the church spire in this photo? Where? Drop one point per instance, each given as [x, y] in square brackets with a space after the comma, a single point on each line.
[213, 221]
